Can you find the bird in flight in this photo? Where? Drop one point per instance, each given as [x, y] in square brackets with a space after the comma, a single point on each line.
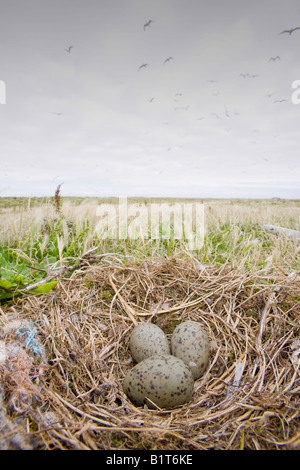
[274, 58]
[69, 49]
[245, 75]
[143, 66]
[290, 31]
[226, 112]
[58, 114]
[147, 24]
[279, 101]
[151, 99]
[168, 59]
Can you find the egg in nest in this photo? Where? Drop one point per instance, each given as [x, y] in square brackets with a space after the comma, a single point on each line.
[162, 381]
[146, 340]
[190, 343]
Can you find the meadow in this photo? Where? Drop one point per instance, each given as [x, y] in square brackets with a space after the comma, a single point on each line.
[78, 296]
[39, 232]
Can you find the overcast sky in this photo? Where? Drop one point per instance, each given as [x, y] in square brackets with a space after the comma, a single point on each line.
[210, 122]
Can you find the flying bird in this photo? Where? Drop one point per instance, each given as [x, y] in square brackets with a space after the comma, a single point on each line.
[274, 58]
[143, 66]
[279, 101]
[226, 112]
[69, 49]
[290, 31]
[168, 59]
[58, 114]
[245, 75]
[147, 24]
[151, 99]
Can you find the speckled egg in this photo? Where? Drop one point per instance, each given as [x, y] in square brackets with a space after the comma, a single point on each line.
[190, 343]
[159, 381]
[146, 340]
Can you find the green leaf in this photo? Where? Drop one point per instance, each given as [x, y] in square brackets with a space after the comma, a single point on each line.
[43, 288]
[5, 284]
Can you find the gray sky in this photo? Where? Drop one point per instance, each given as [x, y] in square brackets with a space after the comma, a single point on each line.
[208, 132]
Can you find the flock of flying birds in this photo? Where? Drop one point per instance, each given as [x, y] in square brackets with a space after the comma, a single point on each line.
[147, 25]
[243, 75]
[165, 62]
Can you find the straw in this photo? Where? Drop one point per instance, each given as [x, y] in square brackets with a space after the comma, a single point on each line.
[248, 398]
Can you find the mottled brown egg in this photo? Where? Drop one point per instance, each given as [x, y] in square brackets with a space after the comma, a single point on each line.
[164, 381]
[146, 340]
[190, 343]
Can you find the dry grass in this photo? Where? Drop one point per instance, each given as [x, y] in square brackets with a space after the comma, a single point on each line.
[20, 220]
[247, 399]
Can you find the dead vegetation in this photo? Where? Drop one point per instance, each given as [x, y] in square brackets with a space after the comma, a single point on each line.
[73, 398]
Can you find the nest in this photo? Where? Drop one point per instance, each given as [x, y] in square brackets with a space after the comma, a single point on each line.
[67, 392]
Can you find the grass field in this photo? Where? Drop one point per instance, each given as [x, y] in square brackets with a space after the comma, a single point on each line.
[79, 296]
[38, 232]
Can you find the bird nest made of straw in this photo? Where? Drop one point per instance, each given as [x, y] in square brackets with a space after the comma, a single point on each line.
[66, 393]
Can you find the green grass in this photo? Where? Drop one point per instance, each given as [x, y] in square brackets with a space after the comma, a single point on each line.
[39, 232]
